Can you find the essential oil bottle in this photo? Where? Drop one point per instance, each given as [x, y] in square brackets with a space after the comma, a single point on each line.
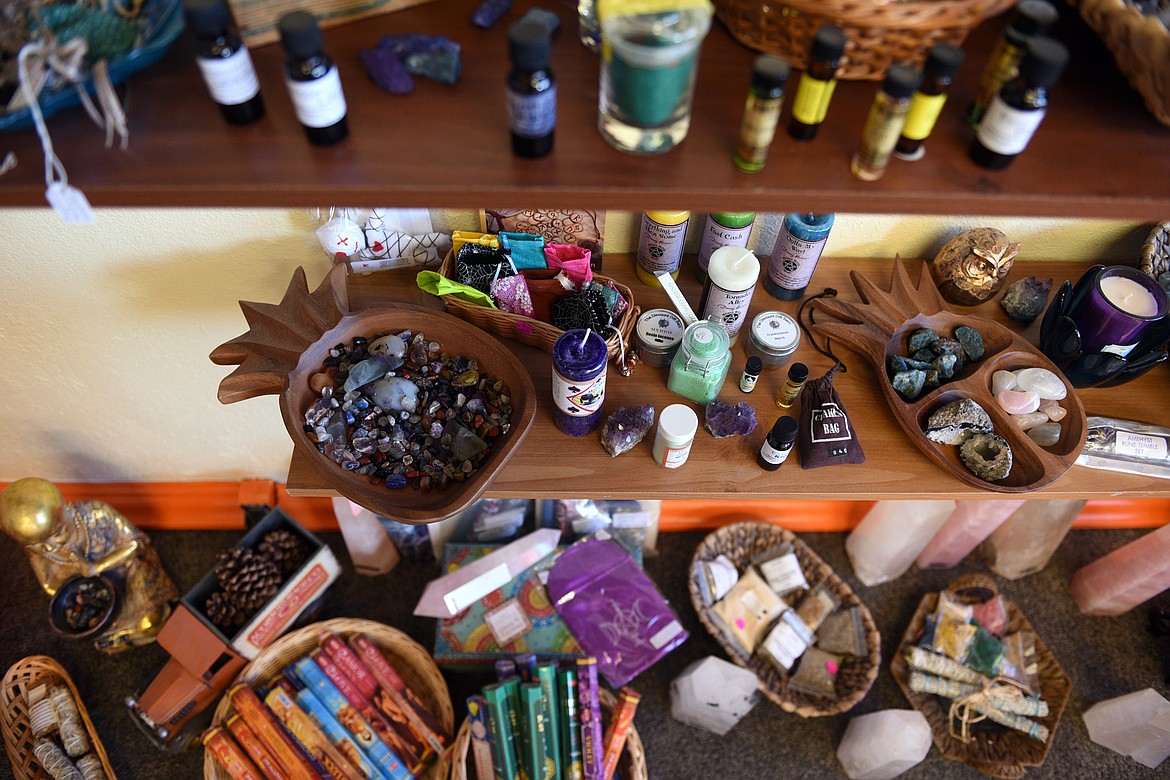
[761, 113]
[312, 79]
[1019, 108]
[777, 445]
[817, 83]
[1031, 18]
[942, 63]
[883, 126]
[531, 90]
[224, 61]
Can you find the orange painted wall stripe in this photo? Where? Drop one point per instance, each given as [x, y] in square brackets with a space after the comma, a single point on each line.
[207, 506]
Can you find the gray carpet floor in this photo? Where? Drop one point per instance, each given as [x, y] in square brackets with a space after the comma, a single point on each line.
[1105, 657]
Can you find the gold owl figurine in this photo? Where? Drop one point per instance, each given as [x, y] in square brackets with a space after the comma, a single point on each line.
[973, 265]
[86, 538]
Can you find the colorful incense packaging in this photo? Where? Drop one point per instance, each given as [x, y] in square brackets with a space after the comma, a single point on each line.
[481, 745]
[511, 688]
[537, 763]
[590, 711]
[311, 737]
[251, 744]
[546, 676]
[265, 726]
[338, 735]
[228, 754]
[392, 684]
[619, 728]
[570, 725]
[500, 722]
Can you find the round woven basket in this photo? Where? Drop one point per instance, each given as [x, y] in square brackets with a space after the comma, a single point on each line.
[997, 752]
[631, 765]
[408, 657]
[533, 332]
[878, 32]
[1139, 43]
[22, 676]
[1156, 251]
[741, 542]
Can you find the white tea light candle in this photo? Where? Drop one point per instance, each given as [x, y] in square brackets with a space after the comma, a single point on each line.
[1129, 296]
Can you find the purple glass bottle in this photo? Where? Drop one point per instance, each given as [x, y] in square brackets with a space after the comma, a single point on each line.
[579, 361]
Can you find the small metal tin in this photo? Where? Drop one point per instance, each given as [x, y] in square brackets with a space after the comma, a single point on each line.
[658, 333]
[772, 337]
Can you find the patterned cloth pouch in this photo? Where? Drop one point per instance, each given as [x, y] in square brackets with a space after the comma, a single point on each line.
[511, 294]
[613, 609]
[573, 260]
[478, 266]
[590, 307]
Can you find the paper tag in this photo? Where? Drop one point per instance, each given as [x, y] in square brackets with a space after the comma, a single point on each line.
[659, 640]
[507, 622]
[1136, 445]
[783, 574]
[70, 203]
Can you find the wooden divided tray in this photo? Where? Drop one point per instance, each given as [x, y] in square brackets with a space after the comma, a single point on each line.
[287, 343]
[878, 328]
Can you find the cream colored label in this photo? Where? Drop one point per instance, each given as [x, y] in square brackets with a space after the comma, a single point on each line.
[924, 112]
[812, 100]
[1007, 130]
[760, 117]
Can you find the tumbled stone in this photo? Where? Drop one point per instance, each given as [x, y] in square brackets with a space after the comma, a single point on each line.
[1026, 422]
[623, 429]
[956, 422]
[361, 374]
[1045, 435]
[1003, 380]
[1025, 299]
[921, 338]
[909, 383]
[1042, 382]
[388, 345]
[987, 456]
[971, 340]
[1055, 411]
[1018, 401]
[723, 419]
[394, 393]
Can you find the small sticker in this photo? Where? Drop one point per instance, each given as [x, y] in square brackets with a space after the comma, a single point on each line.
[507, 622]
[659, 640]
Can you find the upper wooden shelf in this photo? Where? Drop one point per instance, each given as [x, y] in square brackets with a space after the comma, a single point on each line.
[549, 464]
[1098, 153]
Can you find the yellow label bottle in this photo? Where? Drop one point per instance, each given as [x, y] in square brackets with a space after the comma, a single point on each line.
[811, 103]
[661, 241]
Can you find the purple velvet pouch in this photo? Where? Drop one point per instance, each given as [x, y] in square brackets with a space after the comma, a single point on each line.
[613, 609]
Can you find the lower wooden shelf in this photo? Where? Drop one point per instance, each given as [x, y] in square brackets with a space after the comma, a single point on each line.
[551, 465]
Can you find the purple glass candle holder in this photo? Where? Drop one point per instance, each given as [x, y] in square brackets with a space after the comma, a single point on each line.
[578, 381]
[1116, 309]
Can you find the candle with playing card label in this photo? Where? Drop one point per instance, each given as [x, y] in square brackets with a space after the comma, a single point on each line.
[578, 381]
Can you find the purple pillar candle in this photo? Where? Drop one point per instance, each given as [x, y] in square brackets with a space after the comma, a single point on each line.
[578, 381]
[1116, 309]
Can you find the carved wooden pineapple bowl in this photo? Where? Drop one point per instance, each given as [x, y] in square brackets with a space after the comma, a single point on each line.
[288, 343]
[879, 327]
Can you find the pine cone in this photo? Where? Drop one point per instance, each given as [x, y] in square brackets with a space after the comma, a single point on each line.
[251, 582]
[284, 548]
[222, 612]
[229, 562]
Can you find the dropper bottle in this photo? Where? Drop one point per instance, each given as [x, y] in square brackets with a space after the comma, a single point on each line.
[942, 62]
[817, 83]
[884, 124]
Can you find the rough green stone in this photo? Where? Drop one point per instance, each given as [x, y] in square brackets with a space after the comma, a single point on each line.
[971, 340]
[921, 338]
[909, 383]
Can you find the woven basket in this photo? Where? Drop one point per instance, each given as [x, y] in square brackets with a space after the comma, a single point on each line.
[878, 32]
[533, 332]
[996, 752]
[407, 656]
[1156, 251]
[631, 765]
[22, 676]
[1141, 46]
[741, 543]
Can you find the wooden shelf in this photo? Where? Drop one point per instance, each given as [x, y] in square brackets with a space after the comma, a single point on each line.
[549, 464]
[1098, 153]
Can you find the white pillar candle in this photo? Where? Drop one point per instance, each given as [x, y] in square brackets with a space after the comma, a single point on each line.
[731, 279]
[1129, 296]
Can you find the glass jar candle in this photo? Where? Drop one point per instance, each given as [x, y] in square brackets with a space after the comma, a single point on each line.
[578, 381]
[658, 334]
[700, 365]
[772, 337]
[676, 432]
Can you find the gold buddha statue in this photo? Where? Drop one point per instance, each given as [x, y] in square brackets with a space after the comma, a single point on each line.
[84, 539]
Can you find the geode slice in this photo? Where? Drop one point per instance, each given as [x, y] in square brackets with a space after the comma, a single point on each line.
[987, 456]
[1024, 300]
[723, 419]
[971, 340]
[957, 422]
[623, 429]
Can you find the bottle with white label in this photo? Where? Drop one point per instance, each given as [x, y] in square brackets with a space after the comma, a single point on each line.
[312, 79]
[224, 61]
[1019, 108]
[778, 444]
[798, 250]
[732, 275]
[531, 90]
[676, 432]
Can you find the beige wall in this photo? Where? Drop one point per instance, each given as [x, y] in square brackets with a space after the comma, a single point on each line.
[105, 329]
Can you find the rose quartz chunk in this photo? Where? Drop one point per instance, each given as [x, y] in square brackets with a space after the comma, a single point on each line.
[1018, 402]
[970, 523]
[1026, 422]
[1055, 411]
[1125, 577]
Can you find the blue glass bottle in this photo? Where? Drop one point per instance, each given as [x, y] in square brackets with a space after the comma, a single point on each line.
[798, 248]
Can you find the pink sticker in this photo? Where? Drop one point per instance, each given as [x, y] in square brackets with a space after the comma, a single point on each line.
[740, 623]
[831, 666]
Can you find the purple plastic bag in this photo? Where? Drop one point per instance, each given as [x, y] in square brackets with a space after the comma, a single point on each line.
[613, 609]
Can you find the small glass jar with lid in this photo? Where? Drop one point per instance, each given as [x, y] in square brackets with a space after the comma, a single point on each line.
[700, 365]
[772, 337]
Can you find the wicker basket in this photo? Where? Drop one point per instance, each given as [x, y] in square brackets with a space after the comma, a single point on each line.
[741, 543]
[997, 752]
[1141, 46]
[1156, 251]
[408, 657]
[878, 33]
[22, 676]
[631, 765]
[532, 332]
